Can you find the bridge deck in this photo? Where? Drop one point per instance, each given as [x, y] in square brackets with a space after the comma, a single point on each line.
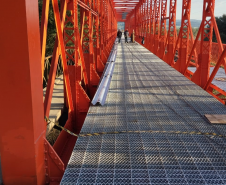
[147, 94]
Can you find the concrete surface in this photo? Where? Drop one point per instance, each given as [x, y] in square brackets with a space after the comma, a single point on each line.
[57, 103]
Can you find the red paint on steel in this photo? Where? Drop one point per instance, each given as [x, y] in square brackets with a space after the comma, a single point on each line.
[172, 32]
[163, 33]
[183, 37]
[183, 50]
[202, 73]
[22, 127]
[23, 142]
[30, 159]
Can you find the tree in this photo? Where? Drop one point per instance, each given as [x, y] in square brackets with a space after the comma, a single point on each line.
[195, 31]
[51, 29]
[221, 23]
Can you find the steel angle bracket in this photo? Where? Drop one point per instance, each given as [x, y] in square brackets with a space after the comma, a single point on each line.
[104, 85]
[105, 88]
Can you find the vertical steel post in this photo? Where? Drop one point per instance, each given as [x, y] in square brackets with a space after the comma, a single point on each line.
[99, 62]
[54, 63]
[183, 37]
[43, 30]
[157, 26]
[80, 98]
[152, 24]
[146, 22]
[202, 74]
[135, 29]
[162, 37]
[142, 19]
[22, 127]
[171, 37]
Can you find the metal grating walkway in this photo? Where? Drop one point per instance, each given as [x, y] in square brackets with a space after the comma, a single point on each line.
[147, 94]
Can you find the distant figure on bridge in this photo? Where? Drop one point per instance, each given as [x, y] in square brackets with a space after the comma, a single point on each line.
[133, 36]
[119, 35]
[142, 42]
[126, 34]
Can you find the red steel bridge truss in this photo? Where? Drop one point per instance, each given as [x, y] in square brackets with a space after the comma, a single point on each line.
[149, 20]
[86, 31]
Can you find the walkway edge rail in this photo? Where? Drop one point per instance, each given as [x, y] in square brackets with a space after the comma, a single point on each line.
[104, 85]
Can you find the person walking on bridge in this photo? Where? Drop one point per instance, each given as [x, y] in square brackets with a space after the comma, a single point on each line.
[126, 34]
[119, 35]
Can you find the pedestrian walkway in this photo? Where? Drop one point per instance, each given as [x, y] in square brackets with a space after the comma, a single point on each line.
[147, 94]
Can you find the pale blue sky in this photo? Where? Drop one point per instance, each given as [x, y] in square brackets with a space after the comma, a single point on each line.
[197, 7]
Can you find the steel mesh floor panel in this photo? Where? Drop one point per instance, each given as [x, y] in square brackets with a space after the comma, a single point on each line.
[147, 94]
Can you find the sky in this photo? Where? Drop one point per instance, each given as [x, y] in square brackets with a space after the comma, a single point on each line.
[197, 7]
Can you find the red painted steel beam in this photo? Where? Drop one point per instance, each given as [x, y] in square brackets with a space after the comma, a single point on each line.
[125, 5]
[163, 32]
[43, 31]
[157, 26]
[194, 46]
[63, 55]
[179, 51]
[86, 7]
[171, 37]
[54, 63]
[202, 73]
[183, 38]
[22, 127]
[216, 30]
[152, 24]
[23, 144]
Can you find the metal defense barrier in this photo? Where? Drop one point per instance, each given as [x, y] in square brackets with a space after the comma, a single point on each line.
[103, 87]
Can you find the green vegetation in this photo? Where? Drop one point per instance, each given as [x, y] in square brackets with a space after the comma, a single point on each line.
[51, 30]
[194, 30]
[221, 23]
[215, 92]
